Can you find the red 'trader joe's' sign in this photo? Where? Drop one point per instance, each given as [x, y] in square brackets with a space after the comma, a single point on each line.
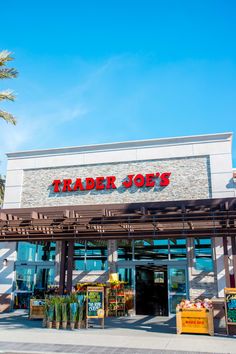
[109, 182]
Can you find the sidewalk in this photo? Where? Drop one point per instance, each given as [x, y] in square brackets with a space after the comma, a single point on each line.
[140, 334]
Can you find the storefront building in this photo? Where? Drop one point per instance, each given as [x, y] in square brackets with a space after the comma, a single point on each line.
[159, 212]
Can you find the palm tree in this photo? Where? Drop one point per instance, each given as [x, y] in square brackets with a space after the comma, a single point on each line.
[2, 187]
[7, 73]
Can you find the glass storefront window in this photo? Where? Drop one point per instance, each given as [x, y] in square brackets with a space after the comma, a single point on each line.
[178, 248]
[151, 249]
[31, 252]
[79, 255]
[126, 275]
[46, 251]
[174, 301]
[177, 286]
[90, 255]
[96, 255]
[26, 251]
[177, 280]
[44, 277]
[25, 279]
[96, 264]
[79, 249]
[203, 254]
[124, 250]
[79, 264]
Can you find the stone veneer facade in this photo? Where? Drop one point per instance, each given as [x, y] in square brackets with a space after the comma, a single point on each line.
[190, 179]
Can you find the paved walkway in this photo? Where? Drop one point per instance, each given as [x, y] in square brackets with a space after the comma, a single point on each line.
[140, 334]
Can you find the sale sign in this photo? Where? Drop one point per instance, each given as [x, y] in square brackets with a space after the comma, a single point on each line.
[109, 182]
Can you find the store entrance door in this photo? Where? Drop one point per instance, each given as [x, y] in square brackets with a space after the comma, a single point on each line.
[151, 290]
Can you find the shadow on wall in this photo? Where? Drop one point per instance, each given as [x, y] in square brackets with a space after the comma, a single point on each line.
[90, 276]
[201, 287]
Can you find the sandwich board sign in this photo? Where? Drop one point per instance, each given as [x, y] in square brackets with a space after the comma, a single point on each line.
[95, 304]
[230, 307]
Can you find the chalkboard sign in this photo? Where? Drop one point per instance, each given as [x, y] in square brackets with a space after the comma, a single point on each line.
[95, 302]
[230, 305]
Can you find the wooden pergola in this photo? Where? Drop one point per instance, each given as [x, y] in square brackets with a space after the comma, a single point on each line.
[195, 218]
[188, 218]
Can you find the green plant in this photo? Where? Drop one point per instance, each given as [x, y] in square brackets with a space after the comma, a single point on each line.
[52, 302]
[73, 311]
[58, 309]
[46, 308]
[81, 303]
[64, 310]
[7, 73]
[51, 312]
[72, 297]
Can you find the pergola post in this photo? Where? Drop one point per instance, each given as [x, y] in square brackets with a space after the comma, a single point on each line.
[62, 268]
[70, 266]
[226, 261]
[233, 244]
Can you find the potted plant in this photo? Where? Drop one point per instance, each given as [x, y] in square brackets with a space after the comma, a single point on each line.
[50, 314]
[80, 311]
[46, 308]
[73, 314]
[64, 310]
[58, 312]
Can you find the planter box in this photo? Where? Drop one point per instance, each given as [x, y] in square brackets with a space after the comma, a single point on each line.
[195, 321]
[36, 310]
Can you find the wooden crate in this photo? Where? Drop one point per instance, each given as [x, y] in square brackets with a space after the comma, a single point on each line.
[195, 321]
[36, 311]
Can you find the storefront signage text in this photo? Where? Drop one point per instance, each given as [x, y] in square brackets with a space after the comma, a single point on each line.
[109, 182]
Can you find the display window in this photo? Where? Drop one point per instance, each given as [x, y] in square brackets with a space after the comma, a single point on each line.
[90, 255]
[203, 254]
[125, 250]
[151, 249]
[178, 250]
[32, 252]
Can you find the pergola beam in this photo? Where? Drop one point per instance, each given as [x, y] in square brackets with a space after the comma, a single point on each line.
[195, 218]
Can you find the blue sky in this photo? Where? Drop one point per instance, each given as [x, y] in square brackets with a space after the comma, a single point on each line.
[111, 70]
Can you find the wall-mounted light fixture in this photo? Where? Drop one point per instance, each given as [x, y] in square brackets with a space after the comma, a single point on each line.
[4, 262]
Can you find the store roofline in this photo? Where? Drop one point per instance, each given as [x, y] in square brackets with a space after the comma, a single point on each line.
[124, 145]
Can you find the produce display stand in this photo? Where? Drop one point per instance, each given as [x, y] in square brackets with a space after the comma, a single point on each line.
[116, 302]
[195, 320]
[230, 310]
[36, 310]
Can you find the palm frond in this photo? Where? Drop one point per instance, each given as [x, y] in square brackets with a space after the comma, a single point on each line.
[8, 73]
[7, 95]
[5, 56]
[8, 117]
[2, 188]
